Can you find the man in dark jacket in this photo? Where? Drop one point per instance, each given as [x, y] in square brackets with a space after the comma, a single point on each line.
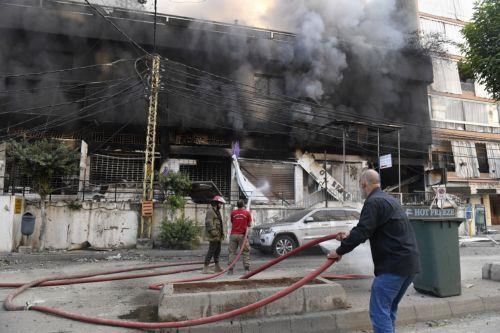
[394, 250]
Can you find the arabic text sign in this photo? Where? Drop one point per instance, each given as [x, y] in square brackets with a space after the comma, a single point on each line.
[385, 161]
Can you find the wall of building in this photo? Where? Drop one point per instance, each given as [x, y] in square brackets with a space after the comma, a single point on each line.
[103, 225]
[10, 222]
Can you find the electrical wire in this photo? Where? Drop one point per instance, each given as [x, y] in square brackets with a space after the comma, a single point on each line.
[284, 98]
[57, 71]
[264, 120]
[69, 118]
[131, 41]
[228, 97]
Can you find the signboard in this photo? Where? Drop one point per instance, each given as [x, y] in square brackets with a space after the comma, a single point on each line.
[18, 205]
[468, 212]
[418, 212]
[441, 193]
[385, 161]
[147, 208]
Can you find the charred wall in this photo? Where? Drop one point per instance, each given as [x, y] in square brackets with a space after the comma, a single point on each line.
[43, 39]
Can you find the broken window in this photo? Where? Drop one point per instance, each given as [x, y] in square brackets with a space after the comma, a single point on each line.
[218, 172]
[269, 84]
[448, 109]
[279, 176]
[465, 156]
[456, 9]
[493, 151]
[449, 32]
[446, 76]
[482, 157]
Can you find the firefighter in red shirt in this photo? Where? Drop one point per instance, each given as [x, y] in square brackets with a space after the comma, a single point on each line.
[240, 221]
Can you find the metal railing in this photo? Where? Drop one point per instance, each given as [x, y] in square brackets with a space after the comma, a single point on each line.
[424, 198]
[275, 198]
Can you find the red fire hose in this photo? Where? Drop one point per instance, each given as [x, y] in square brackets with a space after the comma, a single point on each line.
[78, 278]
[159, 285]
[86, 277]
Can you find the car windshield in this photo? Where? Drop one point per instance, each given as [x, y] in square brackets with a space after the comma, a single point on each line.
[294, 217]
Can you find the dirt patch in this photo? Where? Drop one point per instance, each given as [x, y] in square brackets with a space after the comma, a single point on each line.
[183, 288]
[146, 314]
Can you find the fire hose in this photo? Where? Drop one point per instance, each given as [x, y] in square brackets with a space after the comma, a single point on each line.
[92, 277]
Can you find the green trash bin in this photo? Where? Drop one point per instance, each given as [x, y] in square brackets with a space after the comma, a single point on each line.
[437, 239]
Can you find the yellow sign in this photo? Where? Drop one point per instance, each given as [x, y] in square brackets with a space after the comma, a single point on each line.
[18, 205]
[147, 208]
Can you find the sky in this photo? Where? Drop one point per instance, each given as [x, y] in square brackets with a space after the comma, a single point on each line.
[248, 12]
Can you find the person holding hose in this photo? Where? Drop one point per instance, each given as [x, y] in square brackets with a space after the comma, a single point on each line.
[240, 221]
[214, 233]
[394, 250]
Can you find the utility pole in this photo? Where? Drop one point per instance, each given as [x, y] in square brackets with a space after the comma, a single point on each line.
[326, 183]
[378, 155]
[343, 162]
[399, 161]
[146, 226]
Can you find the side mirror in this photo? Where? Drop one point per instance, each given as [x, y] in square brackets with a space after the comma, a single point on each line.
[309, 219]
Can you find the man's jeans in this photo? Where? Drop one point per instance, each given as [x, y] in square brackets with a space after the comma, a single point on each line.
[387, 291]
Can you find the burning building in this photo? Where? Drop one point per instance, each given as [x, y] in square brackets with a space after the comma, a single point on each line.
[295, 103]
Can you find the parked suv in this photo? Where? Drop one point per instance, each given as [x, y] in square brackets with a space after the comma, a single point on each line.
[301, 227]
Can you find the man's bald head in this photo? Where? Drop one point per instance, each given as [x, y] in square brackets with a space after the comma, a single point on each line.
[371, 177]
[370, 180]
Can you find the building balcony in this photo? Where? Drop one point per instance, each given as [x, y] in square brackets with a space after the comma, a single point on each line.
[483, 178]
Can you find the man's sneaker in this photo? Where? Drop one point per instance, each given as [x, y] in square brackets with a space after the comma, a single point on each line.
[247, 269]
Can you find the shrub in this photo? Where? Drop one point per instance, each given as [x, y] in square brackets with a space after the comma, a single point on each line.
[180, 234]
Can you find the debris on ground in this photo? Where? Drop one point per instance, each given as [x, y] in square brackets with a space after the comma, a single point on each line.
[438, 323]
[116, 257]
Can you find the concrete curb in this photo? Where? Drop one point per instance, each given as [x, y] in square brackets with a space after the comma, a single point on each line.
[350, 320]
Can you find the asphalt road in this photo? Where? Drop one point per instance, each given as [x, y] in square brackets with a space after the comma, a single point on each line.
[131, 300]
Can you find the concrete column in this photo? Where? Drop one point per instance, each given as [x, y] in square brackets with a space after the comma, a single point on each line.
[299, 185]
[3, 165]
[234, 188]
[487, 208]
[84, 168]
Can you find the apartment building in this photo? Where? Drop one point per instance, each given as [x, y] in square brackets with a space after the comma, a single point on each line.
[465, 153]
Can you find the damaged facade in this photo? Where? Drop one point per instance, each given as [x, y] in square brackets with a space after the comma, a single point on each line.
[465, 153]
[222, 86]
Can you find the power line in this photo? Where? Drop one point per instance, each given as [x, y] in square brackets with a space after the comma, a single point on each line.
[289, 99]
[55, 123]
[267, 120]
[17, 75]
[76, 84]
[84, 99]
[316, 114]
[133, 42]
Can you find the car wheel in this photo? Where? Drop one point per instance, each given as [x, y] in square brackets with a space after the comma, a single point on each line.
[282, 245]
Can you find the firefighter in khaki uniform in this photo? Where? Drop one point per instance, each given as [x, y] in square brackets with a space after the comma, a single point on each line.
[214, 233]
[240, 221]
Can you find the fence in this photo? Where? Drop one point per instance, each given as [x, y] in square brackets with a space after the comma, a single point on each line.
[424, 198]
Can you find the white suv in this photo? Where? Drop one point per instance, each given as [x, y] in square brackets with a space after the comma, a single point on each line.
[301, 227]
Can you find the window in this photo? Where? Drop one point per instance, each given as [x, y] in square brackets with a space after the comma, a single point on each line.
[320, 216]
[352, 215]
[269, 84]
[482, 158]
[337, 215]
